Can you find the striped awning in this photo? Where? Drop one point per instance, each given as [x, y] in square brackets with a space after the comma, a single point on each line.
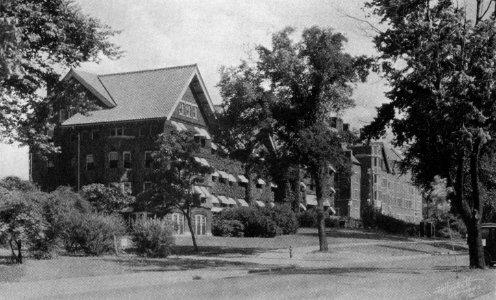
[215, 174]
[303, 206]
[311, 200]
[202, 161]
[213, 146]
[179, 126]
[216, 209]
[272, 204]
[273, 185]
[198, 190]
[260, 203]
[223, 199]
[260, 181]
[326, 202]
[223, 174]
[214, 199]
[232, 201]
[242, 202]
[232, 178]
[242, 178]
[201, 132]
[332, 190]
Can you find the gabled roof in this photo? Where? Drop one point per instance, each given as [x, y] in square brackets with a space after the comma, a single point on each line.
[149, 94]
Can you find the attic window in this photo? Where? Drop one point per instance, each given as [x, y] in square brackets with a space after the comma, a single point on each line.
[117, 131]
[188, 110]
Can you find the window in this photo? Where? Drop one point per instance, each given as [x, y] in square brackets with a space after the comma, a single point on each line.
[50, 164]
[126, 157]
[200, 224]
[375, 161]
[375, 178]
[147, 186]
[90, 162]
[114, 185]
[194, 112]
[148, 159]
[113, 159]
[178, 221]
[95, 134]
[181, 108]
[187, 109]
[117, 131]
[126, 188]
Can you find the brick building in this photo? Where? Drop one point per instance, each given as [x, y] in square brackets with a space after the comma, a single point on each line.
[114, 145]
[383, 185]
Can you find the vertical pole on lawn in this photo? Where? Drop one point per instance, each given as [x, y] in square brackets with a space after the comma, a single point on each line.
[452, 246]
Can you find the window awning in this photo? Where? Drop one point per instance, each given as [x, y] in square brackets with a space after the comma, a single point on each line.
[223, 174]
[303, 206]
[179, 126]
[242, 202]
[198, 190]
[202, 161]
[214, 199]
[303, 185]
[311, 200]
[332, 168]
[326, 202]
[260, 181]
[272, 204]
[213, 146]
[223, 199]
[205, 191]
[232, 178]
[243, 179]
[216, 209]
[201, 132]
[332, 190]
[273, 185]
[260, 203]
[215, 174]
[231, 201]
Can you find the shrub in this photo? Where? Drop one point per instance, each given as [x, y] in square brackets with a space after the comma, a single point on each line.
[331, 222]
[308, 218]
[93, 233]
[152, 237]
[255, 223]
[393, 225]
[284, 218]
[227, 228]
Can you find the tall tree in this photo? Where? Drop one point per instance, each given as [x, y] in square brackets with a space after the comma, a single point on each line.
[440, 66]
[244, 120]
[39, 40]
[177, 172]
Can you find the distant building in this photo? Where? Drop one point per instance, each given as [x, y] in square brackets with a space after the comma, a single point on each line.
[114, 145]
[348, 187]
[383, 185]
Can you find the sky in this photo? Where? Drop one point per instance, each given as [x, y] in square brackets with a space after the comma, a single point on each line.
[163, 33]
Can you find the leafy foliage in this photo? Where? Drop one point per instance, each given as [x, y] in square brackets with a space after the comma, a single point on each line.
[440, 66]
[228, 228]
[284, 217]
[40, 39]
[106, 199]
[254, 221]
[93, 233]
[152, 237]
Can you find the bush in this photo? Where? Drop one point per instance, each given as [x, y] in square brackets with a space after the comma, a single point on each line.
[331, 222]
[394, 225]
[228, 228]
[255, 223]
[93, 233]
[284, 218]
[152, 237]
[308, 218]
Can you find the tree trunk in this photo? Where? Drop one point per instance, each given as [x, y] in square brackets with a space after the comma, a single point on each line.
[295, 203]
[192, 231]
[19, 251]
[476, 250]
[321, 175]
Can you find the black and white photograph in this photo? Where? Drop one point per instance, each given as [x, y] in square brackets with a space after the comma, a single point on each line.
[248, 149]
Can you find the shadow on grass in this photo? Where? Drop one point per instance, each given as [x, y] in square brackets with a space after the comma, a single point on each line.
[9, 271]
[449, 246]
[215, 251]
[358, 234]
[405, 249]
[142, 264]
[340, 271]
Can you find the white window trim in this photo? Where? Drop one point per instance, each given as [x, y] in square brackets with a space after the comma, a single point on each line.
[110, 157]
[150, 153]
